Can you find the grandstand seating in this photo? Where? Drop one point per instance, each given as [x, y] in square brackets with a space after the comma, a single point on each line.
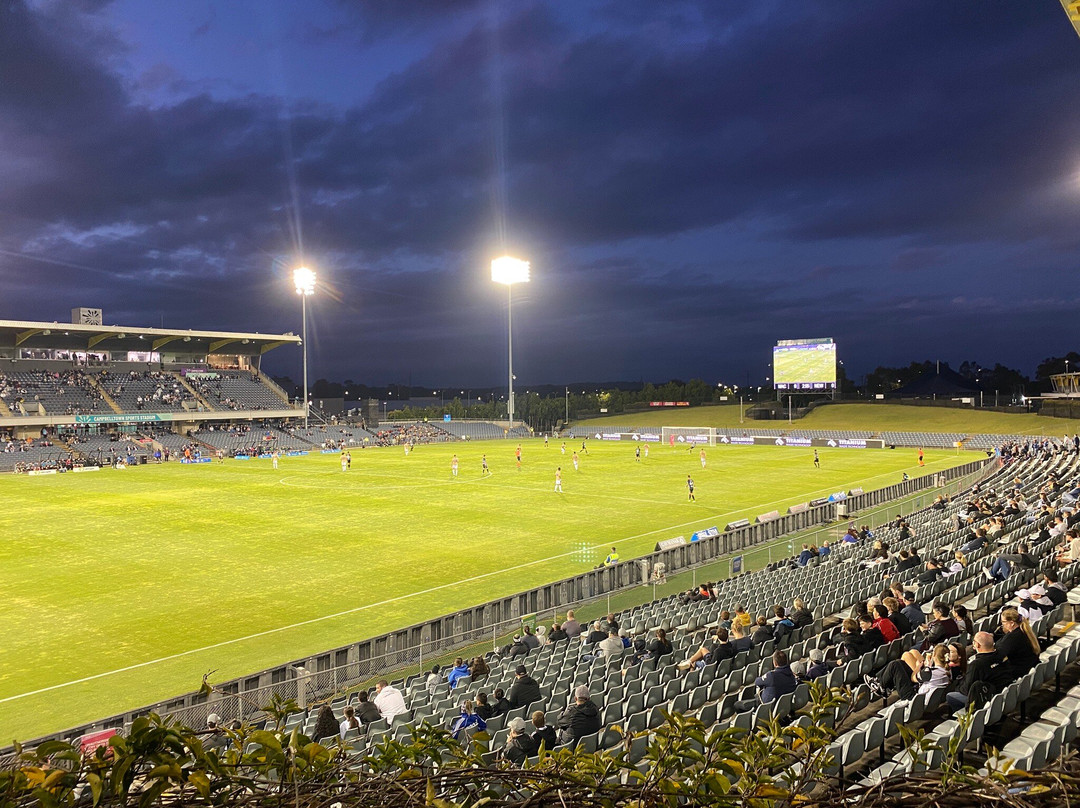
[237, 390]
[245, 440]
[147, 391]
[38, 391]
[333, 436]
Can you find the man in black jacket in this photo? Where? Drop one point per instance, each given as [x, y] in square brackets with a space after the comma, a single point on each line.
[578, 719]
[976, 685]
[941, 629]
[524, 691]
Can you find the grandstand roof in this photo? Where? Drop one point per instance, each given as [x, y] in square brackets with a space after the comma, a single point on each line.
[78, 337]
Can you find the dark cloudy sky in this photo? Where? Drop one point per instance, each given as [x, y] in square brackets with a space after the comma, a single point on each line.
[691, 180]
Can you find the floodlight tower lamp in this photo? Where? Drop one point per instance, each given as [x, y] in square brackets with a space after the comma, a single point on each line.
[304, 281]
[508, 271]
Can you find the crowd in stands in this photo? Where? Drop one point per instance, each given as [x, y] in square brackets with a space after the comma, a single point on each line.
[409, 434]
[66, 392]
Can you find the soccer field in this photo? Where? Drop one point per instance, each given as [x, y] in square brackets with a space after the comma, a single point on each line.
[124, 587]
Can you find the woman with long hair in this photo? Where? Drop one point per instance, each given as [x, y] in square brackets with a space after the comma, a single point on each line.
[957, 661]
[326, 725]
[1019, 648]
[935, 673]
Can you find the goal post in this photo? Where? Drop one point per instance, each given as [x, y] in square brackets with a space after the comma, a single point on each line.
[688, 435]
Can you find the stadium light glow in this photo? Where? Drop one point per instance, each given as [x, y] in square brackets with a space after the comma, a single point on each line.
[304, 281]
[508, 271]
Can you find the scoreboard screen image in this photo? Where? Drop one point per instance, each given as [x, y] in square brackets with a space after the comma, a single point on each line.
[804, 365]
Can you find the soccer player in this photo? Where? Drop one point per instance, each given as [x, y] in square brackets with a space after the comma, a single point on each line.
[584, 448]
[407, 447]
[344, 462]
[484, 470]
[921, 463]
[453, 466]
[671, 440]
[558, 479]
[348, 460]
[221, 456]
[545, 441]
[517, 456]
[817, 460]
[564, 447]
[646, 451]
[637, 453]
[273, 456]
[690, 489]
[702, 456]
[575, 458]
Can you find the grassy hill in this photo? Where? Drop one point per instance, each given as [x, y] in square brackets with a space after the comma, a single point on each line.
[876, 417]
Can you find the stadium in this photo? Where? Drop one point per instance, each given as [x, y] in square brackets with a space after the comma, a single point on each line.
[245, 563]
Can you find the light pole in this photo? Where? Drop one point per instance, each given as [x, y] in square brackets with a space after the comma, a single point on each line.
[509, 271]
[566, 420]
[304, 280]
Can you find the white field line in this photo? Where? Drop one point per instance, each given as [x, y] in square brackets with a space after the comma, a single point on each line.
[386, 602]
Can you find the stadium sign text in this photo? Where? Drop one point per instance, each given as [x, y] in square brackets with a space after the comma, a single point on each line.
[669, 403]
[121, 419]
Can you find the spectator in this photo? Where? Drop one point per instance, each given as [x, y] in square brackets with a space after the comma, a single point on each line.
[801, 616]
[433, 680]
[520, 746]
[660, 646]
[610, 624]
[467, 723]
[350, 721]
[580, 718]
[782, 625]
[739, 641]
[931, 574]
[571, 626]
[529, 638]
[1033, 602]
[805, 555]
[543, 736]
[479, 669]
[873, 638]
[824, 550]
[557, 633]
[959, 562]
[896, 617]
[366, 711]
[516, 648]
[898, 675]
[501, 705]
[941, 629]
[773, 684]
[977, 684]
[482, 708]
[703, 655]
[389, 701]
[326, 725]
[882, 623]
[742, 617]
[935, 674]
[216, 738]
[852, 643]
[610, 647]
[1055, 590]
[1002, 566]
[762, 632]
[524, 691]
[597, 634]
[962, 619]
[818, 666]
[912, 611]
[1069, 550]
[725, 620]
[459, 671]
[958, 661]
[1019, 648]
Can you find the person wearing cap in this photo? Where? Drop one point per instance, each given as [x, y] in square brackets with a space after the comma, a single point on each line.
[524, 691]
[519, 745]
[216, 737]
[543, 735]
[459, 671]
[911, 610]
[517, 648]
[1033, 602]
[818, 666]
[578, 719]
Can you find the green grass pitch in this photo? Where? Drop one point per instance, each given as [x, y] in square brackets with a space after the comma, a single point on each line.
[124, 587]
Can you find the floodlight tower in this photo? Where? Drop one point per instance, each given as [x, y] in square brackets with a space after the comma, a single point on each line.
[509, 271]
[304, 281]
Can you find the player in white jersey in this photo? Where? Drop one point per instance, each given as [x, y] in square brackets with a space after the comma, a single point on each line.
[453, 466]
[575, 458]
[702, 456]
[558, 479]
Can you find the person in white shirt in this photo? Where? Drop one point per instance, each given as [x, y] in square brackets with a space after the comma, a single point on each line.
[389, 701]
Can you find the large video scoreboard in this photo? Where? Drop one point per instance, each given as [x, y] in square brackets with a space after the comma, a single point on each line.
[804, 364]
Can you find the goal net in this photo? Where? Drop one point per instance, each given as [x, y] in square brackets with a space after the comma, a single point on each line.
[688, 435]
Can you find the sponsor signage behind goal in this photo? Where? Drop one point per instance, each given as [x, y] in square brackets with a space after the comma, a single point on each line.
[669, 403]
[805, 443]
